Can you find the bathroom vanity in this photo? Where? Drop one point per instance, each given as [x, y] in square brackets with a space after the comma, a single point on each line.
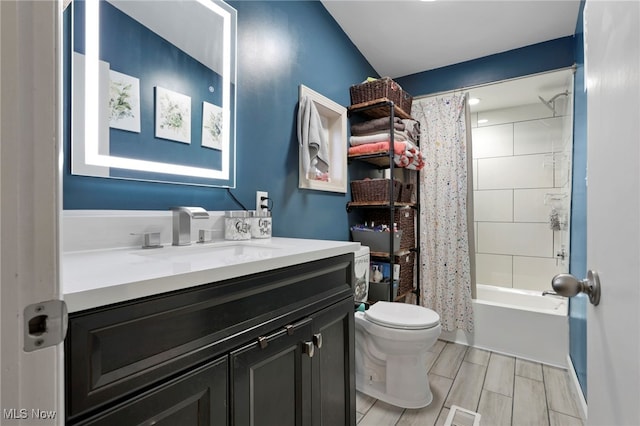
[253, 335]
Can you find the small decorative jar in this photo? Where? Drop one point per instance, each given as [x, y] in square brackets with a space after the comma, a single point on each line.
[237, 225]
[260, 224]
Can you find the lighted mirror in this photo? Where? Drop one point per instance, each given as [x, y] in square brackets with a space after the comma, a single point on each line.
[153, 90]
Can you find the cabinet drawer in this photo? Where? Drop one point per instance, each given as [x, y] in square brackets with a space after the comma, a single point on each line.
[115, 351]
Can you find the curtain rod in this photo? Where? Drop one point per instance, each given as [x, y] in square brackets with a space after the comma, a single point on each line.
[477, 86]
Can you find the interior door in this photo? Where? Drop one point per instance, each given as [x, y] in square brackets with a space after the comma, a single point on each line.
[31, 391]
[612, 72]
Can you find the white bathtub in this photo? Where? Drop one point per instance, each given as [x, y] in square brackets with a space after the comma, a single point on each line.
[521, 323]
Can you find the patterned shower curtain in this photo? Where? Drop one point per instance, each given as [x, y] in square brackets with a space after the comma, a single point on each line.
[446, 206]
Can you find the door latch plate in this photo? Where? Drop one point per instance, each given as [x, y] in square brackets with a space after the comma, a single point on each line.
[45, 324]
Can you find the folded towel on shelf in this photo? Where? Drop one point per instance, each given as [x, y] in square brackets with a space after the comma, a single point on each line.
[406, 154]
[312, 138]
[378, 137]
[412, 127]
[375, 125]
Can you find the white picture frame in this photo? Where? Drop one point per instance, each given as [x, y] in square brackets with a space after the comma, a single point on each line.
[173, 115]
[124, 102]
[212, 128]
[333, 117]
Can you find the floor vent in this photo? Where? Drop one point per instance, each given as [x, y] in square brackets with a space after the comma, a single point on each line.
[459, 416]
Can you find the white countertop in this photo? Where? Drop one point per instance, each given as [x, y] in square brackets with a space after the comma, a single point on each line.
[96, 278]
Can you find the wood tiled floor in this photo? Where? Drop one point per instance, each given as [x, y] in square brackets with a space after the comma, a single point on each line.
[503, 389]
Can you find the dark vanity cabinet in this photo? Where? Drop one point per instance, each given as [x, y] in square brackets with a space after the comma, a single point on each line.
[299, 375]
[274, 348]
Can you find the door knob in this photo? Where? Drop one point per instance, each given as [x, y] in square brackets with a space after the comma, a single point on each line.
[568, 286]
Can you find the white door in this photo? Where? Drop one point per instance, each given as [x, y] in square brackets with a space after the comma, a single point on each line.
[612, 73]
[32, 382]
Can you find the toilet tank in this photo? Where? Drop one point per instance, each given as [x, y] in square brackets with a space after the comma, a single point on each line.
[361, 271]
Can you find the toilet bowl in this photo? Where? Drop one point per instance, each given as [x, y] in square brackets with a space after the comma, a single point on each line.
[392, 341]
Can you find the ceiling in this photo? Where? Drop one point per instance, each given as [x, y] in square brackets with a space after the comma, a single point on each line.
[403, 37]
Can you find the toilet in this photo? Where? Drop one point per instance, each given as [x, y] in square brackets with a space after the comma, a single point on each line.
[391, 342]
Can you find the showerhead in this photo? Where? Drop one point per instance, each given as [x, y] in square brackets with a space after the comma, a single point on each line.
[551, 103]
[547, 104]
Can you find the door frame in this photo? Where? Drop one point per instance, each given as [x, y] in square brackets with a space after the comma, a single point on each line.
[30, 198]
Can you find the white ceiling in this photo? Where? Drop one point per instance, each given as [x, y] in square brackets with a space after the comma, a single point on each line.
[403, 37]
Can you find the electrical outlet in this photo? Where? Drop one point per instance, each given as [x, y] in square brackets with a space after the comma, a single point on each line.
[259, 201]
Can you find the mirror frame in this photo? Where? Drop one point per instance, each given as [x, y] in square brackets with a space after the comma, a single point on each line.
[89, 145]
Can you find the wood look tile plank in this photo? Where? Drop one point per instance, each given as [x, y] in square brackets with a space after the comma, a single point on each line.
[495, 409]
[449, 361]
[559, 419]
[430, 359]
[477, 356]
[529, 369]
[438, 346]
[500, 373]
[381, 414]
[467, 386]
[363, 402]
[529, 403]
[442, 417]
[428, 416]
[560, 395]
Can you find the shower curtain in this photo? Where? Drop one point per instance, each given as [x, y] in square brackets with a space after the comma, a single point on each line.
[446, 195]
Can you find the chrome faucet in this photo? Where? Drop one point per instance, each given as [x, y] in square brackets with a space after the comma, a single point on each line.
[182, 223]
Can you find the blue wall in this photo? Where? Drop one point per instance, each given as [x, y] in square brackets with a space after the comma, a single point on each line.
[541, 57]
[281, 45]
[578, 249]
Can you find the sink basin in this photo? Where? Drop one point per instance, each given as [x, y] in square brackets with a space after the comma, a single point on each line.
[228, 252]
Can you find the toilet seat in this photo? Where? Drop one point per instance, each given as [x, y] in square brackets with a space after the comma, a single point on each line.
[402, 316]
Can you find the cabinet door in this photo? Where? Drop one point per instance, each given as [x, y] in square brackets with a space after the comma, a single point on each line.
[196, 398]
[333, 366]
[271, 382]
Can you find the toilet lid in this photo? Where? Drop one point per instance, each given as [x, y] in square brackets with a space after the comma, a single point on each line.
[402, 315]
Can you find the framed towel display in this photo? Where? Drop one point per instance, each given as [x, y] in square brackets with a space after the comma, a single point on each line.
[322, 135]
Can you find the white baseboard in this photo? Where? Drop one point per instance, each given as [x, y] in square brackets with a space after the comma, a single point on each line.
[577, 388]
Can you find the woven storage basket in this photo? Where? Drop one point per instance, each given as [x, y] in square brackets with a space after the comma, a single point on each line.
[406, 194]
[383, 87]
[407, 264]
[404, 218]
[374, 190]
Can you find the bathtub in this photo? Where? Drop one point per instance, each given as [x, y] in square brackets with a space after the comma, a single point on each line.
[520, 323]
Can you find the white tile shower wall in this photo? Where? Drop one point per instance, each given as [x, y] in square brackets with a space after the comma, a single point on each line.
[522, 171]
[494, 269]
[518, 161]
[493, 206]
[529, 271]
[494, 141]
[529, 206]
[538, 136]
[518, 239]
